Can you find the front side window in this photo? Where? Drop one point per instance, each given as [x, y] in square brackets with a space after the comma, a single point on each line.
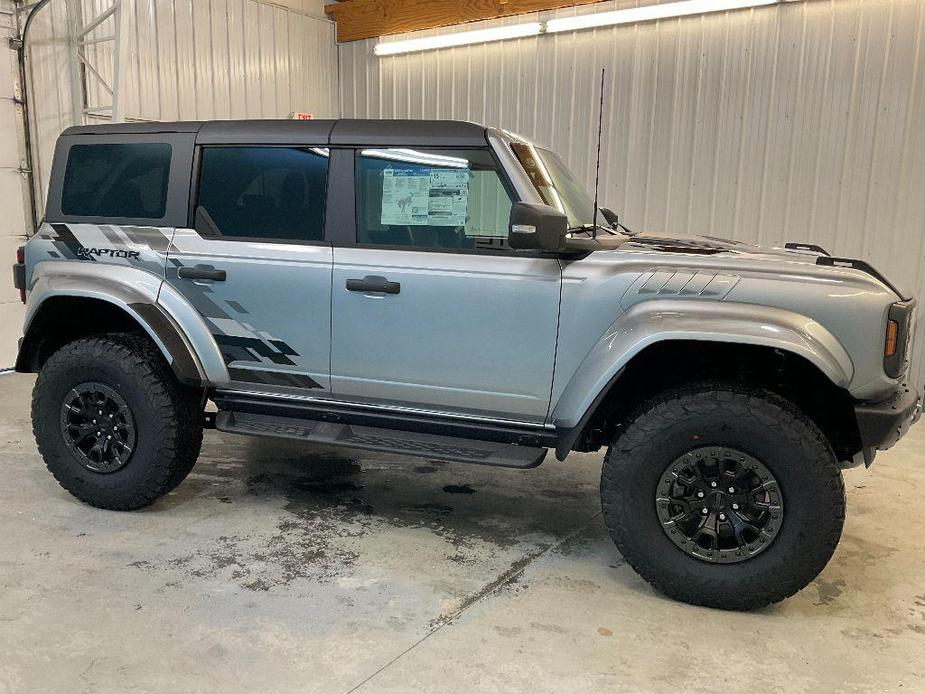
[273, 193]
[126, 181]
[557, 186]
[431, 199]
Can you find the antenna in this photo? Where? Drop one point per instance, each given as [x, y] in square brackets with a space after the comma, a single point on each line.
[597, 169]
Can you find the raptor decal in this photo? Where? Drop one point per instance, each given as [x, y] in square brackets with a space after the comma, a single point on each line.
[142, 247]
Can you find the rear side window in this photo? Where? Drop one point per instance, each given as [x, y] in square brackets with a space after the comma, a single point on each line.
[127, 181]
[271, 193]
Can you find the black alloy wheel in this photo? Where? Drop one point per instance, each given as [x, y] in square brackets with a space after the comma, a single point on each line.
[719, 504]
[98, 427]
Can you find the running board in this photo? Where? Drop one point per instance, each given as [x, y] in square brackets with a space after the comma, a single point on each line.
[431, 446]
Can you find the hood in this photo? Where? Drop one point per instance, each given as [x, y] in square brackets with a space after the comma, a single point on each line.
[648, 242]
[711, 245]
[726, 248]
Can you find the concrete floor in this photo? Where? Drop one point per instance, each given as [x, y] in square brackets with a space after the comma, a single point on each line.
[276, 570]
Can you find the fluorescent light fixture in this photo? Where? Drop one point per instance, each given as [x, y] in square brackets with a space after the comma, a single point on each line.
[649, 12]
[412, 156]
[630, 15]
[463, 38]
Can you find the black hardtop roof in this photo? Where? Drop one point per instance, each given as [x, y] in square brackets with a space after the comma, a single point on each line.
[344, 131]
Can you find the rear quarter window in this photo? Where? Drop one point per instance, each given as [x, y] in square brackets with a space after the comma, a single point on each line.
[117, 180]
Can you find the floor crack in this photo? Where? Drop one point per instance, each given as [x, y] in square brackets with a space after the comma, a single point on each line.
[515, 570]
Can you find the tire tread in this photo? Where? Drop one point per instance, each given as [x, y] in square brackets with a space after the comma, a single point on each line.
[734, 400]
[176, 427]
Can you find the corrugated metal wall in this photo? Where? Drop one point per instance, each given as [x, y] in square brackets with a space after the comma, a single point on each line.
[12, 189]
[798, 122]
[186, 61]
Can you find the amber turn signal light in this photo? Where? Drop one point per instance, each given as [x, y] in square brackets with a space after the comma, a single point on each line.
[892, 332]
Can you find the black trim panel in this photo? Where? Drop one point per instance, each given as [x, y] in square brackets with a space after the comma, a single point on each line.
[19, 276]
[881, 424]
[340, 217]
[402, 421]
[901, 313]
[422, 445]
[568, 437]
[183, 362]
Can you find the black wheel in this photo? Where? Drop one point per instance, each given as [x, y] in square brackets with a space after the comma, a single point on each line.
[724, 496]
[114, 426]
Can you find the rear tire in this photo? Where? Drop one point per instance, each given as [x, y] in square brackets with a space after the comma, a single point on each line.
[151, 427]
[664, 484]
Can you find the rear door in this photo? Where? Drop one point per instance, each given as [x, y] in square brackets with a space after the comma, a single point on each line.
[255, 265]
[431, 310]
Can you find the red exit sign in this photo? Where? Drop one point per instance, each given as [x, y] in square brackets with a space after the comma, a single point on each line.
[300, 115]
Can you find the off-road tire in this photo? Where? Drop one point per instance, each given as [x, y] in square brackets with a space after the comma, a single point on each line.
[765, 426]
[168, 417]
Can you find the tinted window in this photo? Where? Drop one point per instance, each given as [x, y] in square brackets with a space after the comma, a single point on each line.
[438, 199]
[262, 192]
[127, 181]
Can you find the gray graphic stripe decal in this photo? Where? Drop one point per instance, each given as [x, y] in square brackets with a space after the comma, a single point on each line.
[67, 244]
[273, 378]
[152, 237]
[255, 345]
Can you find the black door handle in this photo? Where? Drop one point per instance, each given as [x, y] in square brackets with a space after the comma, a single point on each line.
[202, 272]
[371, 283]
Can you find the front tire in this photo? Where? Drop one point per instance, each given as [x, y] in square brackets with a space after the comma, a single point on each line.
[114, 426]
[723, 496]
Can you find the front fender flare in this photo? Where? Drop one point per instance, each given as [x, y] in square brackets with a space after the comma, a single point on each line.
[654, 321]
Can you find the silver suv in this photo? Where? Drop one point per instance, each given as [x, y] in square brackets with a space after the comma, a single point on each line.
[446, 290]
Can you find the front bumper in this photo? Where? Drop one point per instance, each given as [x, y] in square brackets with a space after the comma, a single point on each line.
[881, 424]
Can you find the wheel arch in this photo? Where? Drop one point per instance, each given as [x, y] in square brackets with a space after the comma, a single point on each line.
[65, 316]
[68, 300]
[657, 350]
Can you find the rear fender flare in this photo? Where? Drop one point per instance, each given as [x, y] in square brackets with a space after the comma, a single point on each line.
[175, 328]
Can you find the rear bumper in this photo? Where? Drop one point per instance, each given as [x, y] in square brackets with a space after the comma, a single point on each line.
[881, 424]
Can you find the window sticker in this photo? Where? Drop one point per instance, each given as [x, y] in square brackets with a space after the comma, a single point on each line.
[417, 197]
[449, 197]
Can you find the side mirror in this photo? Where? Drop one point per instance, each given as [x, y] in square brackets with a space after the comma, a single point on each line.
[537, 227]
[612, 217]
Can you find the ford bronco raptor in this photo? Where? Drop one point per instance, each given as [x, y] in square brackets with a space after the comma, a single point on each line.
[444, 290]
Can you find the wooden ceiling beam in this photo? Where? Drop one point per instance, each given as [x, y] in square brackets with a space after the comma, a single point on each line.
[364, 19]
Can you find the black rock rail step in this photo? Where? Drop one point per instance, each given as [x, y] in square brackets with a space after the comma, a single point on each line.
[431, 446]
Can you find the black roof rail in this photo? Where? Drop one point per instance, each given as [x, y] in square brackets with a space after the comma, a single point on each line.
[806, 247]
[859, 265]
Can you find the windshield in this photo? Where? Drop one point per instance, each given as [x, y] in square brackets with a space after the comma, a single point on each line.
[557, 186]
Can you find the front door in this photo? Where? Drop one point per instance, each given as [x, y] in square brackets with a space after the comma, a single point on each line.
[430, 309]
[256, 267]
